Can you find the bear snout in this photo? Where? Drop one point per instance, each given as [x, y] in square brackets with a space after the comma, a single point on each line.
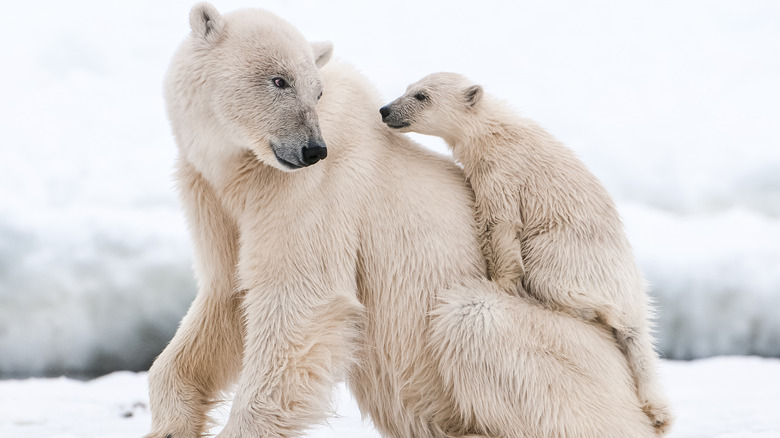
[314, 152]
[385, 111]
[393, 118]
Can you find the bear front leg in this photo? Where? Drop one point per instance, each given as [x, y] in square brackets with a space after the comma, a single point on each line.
[505, 257]
[297, 348]
[205, 354]
[201, 360]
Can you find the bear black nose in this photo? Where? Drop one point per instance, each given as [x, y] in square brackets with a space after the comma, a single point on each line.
[313, 152]
[385, 111]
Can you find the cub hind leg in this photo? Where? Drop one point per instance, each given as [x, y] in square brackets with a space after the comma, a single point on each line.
[636, 343]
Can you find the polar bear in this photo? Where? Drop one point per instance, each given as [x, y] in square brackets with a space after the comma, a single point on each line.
[329, 248]
[549, 228]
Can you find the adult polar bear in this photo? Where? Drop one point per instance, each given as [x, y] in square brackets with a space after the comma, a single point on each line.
[365, 266]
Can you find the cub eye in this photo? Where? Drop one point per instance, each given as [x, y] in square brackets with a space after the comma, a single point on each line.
[320, 96]
[279, 82]
[420, 96]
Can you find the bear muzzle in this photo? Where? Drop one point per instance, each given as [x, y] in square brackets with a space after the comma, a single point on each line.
[392, 118]
[292, 156]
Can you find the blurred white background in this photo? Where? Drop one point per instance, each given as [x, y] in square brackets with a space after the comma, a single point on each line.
[674, 105]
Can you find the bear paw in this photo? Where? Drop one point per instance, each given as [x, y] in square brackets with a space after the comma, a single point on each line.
[660, 416]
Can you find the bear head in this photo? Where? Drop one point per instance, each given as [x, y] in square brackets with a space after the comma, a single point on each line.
[437, 104]
[247, 80]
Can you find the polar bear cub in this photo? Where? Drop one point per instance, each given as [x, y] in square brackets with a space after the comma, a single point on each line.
[549, 228]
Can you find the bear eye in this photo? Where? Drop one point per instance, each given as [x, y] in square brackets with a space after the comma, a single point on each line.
[420, 96]
[320, 96]
[279, 82]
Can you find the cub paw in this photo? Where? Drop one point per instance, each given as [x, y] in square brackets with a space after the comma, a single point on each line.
[660, 416]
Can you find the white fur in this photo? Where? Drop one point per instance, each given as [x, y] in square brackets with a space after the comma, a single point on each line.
[364, 266]
[549, 229]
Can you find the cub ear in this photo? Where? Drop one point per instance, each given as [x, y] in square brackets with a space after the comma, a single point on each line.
[473, 95]
[206, 22]
[322, 51]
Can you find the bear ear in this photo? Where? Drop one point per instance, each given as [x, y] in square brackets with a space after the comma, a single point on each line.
[206, 22]
[473, 95]
[322, 51]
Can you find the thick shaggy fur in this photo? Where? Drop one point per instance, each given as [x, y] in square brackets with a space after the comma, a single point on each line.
[365, 266]
[548, 227]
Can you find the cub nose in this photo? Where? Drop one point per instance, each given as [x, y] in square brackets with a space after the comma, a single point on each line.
[314, 152]
[385, 111]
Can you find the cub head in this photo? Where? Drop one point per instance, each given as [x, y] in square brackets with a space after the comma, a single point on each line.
[435, 105]
[248, 80]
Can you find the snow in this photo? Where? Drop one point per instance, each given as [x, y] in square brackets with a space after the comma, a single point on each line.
[724, 397]
[673, 105]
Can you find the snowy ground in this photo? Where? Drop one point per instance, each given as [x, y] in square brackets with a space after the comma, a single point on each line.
[674, 105]
[726, 397]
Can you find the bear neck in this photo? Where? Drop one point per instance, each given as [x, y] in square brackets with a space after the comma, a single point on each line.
[212, 155]
[486, 136]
